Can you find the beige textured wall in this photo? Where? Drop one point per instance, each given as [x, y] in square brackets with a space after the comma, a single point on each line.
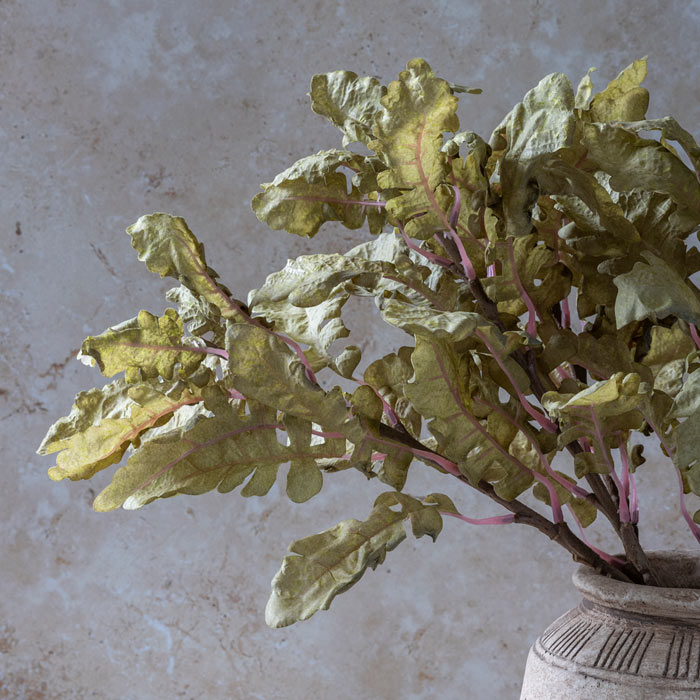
[109, 110]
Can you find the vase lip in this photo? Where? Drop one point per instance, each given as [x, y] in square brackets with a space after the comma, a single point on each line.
[648, 600]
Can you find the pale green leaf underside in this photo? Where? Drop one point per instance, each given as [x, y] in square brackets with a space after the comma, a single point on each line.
[324, 565]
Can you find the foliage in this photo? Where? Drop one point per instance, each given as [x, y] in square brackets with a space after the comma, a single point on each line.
[543, 279]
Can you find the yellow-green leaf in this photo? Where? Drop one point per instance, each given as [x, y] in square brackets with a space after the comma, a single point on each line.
[105, 422]
[263, 367]
[144, 347]
[418, 108]
[168, 247]
[349, 102]
[324, 565]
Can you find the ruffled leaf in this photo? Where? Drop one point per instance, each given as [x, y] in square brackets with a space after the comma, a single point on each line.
[324, 565]
[311, 192]
[349, 102]
[220, 452]
[263, 367]
[623, 98]
[168, 247]
[144, 347]
[654, 290]
[418, 108]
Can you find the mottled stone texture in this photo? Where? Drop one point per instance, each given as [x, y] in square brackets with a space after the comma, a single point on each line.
[110, 110]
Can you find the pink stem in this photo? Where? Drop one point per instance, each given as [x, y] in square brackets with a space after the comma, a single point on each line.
[624, 506]
[602, 554]
[625, 470]
[295, 346]
[236, 395]
[214, 351]
[436, 259]
[565, 313]
[331, 200]
[495, 520]
[454, 215]
[565, 483]
[532, 312]
[684, 509]
[539, 417]
[466, 262]
[694, 335]
[321, 433]
[634, 503]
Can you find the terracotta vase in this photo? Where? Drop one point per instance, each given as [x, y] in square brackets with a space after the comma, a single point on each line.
[623, 641]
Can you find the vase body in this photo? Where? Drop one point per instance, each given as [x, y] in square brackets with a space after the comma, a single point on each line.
[623, 641]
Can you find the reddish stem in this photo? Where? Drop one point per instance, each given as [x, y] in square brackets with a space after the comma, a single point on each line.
[532, 311]
[684, 509]
[602, 554]
[694, 335]
[436, 259]
[547, 424]
[565, 483]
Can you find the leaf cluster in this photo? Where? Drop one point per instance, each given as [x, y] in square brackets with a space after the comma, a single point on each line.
[544, 280]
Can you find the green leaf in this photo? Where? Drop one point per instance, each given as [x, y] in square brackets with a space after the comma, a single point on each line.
[349, 102]
[623, 98]
[598, 413]
[389, 376]
[467, 428]
[654, 291]
[671, 130]
[637, 163]
[445, 325]
[199, 316]
[686, 443]
[589, 205]
[263, 367]
[311, 192]
[418, 108]
[668, 350]
[104, 422]
[305, 298]
[687, 401]
[220, 452]
[324, 565]
[540, 125]
[144, 347]
[584, 90]
[168, 247]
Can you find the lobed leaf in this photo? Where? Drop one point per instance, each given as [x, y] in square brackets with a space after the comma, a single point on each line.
[540, 125]
[168, 247]
[220, 452]
[324, 565]
[418, 108]
[103, 423]
[263, 367]
[349, 102]
[144, 347]
[654, 290]
[312, 192]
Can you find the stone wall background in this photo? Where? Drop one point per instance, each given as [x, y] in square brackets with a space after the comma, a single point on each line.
[110, 110]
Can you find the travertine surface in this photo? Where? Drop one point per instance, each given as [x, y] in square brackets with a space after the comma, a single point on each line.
[110, 110]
